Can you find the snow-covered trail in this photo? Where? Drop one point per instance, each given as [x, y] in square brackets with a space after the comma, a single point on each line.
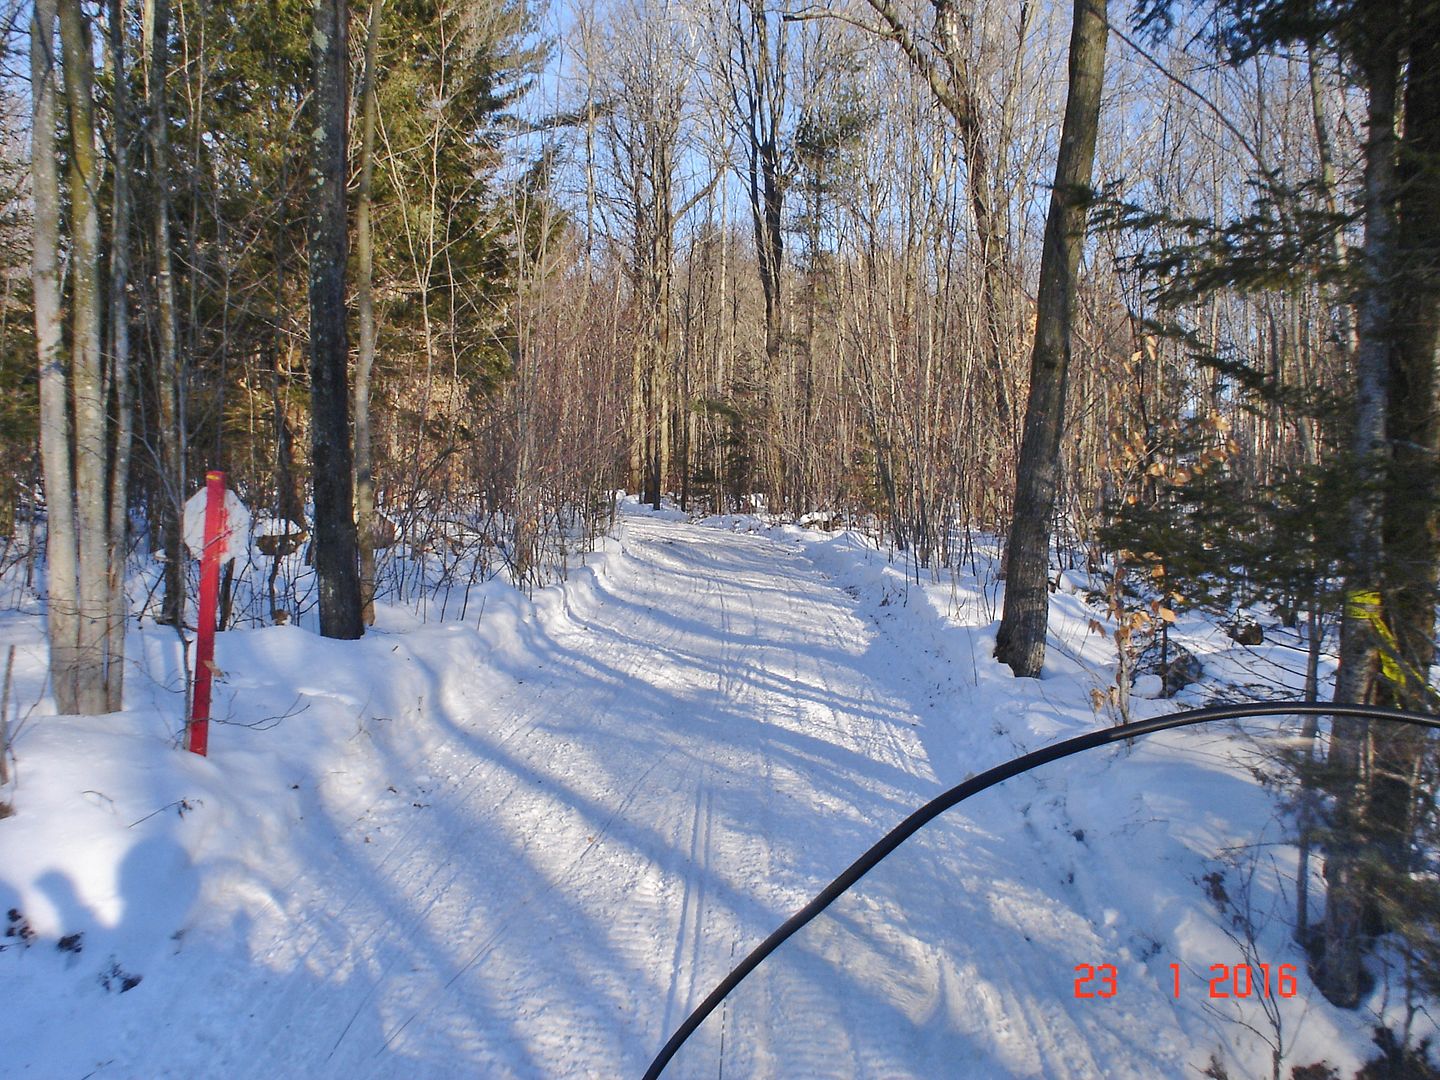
[601, 836]
[533, 861]
[705, 737]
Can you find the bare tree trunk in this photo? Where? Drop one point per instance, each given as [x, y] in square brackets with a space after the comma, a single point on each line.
[60, 549]
[1411, 534]
[336, 555]
[1326, 153]
[1339, 972]
[365, 302]
[1345, 327]
[650, 81]
[87, 362]
[664, 384]
[954, 86]
[1358, 656]
[1021, 638]
[6, 808]
[639, 416]
[989, 220]
[289, 494]
[1412, 521]
[167, 362]
[118, 378]
[758, 89]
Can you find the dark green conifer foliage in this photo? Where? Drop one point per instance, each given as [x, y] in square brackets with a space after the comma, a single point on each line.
[1373, 489]
[448, 73]
[1224, 538]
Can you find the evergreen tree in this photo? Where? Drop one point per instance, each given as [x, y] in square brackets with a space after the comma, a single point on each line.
[1387, 472]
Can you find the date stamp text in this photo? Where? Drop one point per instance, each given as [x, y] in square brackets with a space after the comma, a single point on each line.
[1224, 980]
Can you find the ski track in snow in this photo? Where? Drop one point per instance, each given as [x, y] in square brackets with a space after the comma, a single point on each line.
[590, 838]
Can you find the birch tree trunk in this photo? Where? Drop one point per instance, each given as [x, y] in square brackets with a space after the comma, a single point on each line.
[1021, 638]
[336, 554]
[87, 365]
[60, 550]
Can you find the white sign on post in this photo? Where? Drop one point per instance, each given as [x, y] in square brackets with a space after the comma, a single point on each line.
[237, 522]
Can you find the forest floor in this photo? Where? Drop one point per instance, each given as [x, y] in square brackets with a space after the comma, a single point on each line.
[527, 845]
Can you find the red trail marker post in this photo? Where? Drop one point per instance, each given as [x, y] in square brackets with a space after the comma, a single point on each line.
[216, 538]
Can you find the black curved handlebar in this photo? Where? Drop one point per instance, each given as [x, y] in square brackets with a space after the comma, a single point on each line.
[988, 779]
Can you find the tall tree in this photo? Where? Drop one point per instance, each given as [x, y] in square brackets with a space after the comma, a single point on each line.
[60, 550]
[87, 359]
[365, 302]
[1388, 641]
[1379, 59]
[336, 554]
[167, 368]
[1020, 641]
[79, 448]
[447, 72]
[119, 395]
[1411, 536]
[945, 59]
[650, 68]
[755, 72]
[1388, 49]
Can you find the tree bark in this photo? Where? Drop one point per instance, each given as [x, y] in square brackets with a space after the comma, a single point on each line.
[168, 394]
[60, 546]
[1338, 974]
[336, 554]
[120, 394]
[762, 76]
[1411, 534]
[1021, 638]
[752, 63]
[87, 364]
[365, 302]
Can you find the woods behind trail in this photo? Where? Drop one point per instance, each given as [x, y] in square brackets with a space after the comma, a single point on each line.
[1158, 288]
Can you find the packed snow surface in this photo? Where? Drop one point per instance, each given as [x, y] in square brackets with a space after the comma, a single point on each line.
[528, 844]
